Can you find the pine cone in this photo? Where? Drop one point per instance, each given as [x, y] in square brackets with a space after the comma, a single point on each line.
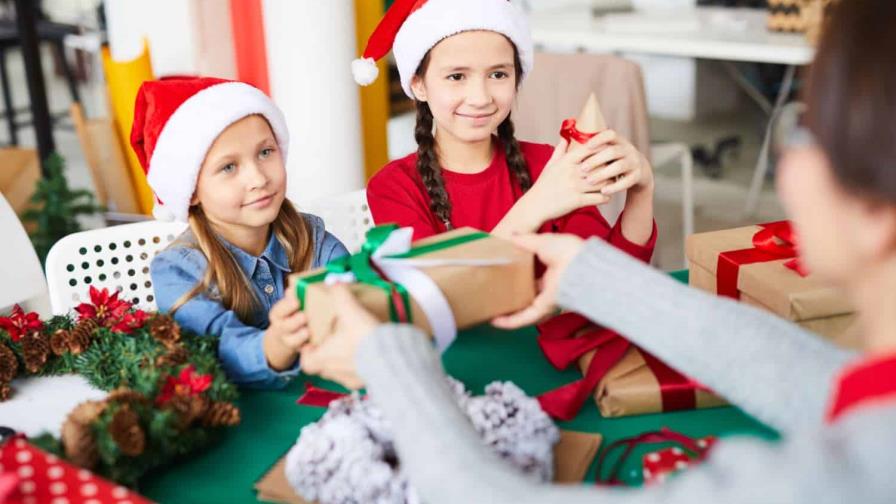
[5, 391]
[165, 330]
[125, 395]
[126, 432]
[175, 356]
[35, 350]
[59, 341]
[9, 365]
[221, 414]
[188, 408]
[77, 434]
[81, 335]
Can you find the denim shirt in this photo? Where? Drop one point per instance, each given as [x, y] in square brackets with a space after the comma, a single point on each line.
[177, 269]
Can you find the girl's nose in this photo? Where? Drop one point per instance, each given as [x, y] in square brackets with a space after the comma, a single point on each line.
[256, 178]
[478, 94]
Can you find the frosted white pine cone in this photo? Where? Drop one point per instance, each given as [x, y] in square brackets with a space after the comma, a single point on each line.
[348, 456]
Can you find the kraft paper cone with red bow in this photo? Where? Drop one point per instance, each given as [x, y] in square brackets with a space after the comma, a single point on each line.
[589, 123]
[759, 265]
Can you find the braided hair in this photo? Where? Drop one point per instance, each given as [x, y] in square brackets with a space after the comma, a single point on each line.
[428, 160]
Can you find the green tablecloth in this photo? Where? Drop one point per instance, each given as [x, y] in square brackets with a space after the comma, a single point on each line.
[227, 471]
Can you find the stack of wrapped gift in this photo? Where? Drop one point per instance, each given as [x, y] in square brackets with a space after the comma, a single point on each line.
[759, 266]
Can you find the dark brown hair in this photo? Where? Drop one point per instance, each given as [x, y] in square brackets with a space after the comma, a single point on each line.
[851, 96]
[428, 160]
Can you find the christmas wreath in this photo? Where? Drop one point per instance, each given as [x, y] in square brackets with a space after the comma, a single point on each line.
[168, 396]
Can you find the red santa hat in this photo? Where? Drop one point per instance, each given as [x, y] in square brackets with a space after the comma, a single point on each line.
[412, 27]
[177, 120]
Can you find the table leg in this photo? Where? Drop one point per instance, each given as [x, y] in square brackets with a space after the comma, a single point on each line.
[67, 72]
[7, 100]
[762, 163]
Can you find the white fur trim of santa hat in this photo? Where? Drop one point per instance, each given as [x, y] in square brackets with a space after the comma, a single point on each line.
[189, 133]
[437, 20]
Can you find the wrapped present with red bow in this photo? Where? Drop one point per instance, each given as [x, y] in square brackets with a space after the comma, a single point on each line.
[622, 378]
[29, 475]
[760, 266]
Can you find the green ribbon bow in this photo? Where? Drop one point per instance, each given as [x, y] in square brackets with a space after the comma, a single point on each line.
[361, 265]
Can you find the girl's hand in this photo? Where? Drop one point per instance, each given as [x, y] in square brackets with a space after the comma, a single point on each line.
[556, 251]
[334, 358]
[286, 334]
[620, 165]
[564, 185]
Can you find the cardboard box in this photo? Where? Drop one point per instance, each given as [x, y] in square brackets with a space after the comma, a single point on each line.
[19, 174]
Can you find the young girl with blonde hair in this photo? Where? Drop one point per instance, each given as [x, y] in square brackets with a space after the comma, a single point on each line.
[214, 152]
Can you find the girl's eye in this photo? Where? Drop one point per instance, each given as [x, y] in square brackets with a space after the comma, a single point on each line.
[267, 151]
[455, 77]
[228, 168]
[500, 74]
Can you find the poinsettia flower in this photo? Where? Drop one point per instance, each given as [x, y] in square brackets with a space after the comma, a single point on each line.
[130, 321]
[106, 309]
[188, 383]
[19, 323]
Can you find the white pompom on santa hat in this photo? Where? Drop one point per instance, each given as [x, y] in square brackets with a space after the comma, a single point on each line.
[176, 121]
[411, 28]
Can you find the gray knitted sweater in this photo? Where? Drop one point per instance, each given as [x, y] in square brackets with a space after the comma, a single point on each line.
[770, 368]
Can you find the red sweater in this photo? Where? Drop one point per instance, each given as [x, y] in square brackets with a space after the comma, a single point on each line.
[396, 194]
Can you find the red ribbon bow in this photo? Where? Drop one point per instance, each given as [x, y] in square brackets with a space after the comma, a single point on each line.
[775, 241]
[566, 338]
[570, 132]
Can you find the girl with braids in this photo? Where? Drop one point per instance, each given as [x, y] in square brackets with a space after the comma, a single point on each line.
[834, 409]
[214, 152]
[462, 62]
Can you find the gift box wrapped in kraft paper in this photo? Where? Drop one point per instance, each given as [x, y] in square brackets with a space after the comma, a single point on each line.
[640, 384]
[759, 266]
[441, 284]
[621, 378]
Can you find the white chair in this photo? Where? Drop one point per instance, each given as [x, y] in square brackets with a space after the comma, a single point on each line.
[115, 257]
[680, 153]
[21, 277]
[347, 217]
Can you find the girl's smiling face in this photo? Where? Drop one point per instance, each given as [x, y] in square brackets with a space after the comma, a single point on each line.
[242, 181]
[469, 82]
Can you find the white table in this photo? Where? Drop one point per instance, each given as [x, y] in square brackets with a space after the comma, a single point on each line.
[723, 34]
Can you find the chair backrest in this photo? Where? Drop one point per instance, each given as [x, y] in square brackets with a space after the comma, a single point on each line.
[347, 217]
[115, 257]
[21, 277]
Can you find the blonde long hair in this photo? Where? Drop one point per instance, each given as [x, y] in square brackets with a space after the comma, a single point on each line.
[223, 272]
